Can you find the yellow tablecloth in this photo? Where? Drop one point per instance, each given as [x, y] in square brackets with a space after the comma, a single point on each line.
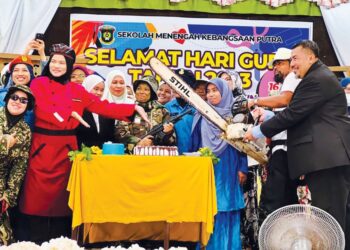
[131, 189]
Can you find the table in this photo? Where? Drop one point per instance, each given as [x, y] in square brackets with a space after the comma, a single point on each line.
[130, 197]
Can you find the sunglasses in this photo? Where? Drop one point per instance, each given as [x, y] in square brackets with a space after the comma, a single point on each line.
[22, 100]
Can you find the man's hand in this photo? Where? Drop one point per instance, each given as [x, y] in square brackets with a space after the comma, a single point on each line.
[249, 135]
[258, 113]
[251, 103]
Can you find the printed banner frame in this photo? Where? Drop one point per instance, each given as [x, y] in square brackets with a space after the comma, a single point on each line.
[204, 45]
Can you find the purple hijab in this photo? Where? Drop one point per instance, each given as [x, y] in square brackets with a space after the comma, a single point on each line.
[209, 132]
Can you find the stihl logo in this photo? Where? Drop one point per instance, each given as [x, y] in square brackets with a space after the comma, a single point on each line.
[180, 86]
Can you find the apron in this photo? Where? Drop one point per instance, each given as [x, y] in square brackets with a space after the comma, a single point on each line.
[44, 189]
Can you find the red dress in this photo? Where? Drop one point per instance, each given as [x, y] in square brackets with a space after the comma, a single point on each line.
[44, 189]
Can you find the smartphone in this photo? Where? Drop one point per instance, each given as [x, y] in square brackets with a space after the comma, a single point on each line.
[39, 36]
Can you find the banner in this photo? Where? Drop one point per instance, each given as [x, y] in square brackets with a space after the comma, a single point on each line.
[205, 46]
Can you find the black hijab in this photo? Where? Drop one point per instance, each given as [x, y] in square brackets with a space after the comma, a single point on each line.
[12, 120]
[63, 79]
[69, 56]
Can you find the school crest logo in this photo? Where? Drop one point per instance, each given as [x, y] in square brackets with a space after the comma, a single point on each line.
[106, 34]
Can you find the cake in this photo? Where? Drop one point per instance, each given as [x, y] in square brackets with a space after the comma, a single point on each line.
[156, 150]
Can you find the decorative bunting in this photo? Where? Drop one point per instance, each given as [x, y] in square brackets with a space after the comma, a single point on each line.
[277, 3]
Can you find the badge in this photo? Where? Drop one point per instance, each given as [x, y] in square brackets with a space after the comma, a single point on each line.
[137, 120]
[106, 34]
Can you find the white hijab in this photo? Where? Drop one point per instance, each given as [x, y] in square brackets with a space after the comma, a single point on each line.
[107, 95]
[89, 83]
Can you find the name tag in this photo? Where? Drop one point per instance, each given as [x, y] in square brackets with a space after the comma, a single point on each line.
[58, 117]
[137, 120]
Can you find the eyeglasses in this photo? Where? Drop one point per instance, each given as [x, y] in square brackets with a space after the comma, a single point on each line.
[22, 100]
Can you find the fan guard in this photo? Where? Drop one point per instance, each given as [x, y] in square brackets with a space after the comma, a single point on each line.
[301, 227]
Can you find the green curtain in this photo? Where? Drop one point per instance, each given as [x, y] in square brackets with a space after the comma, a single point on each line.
[299, 7]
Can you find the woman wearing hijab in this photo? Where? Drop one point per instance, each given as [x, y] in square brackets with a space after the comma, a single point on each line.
[115, 90]
[101, 128]
[131, 133]
[20, 73]
[58, 109]
[79, 73]
[250, 223]
[15, 137]
[233, 80]
[229, 172]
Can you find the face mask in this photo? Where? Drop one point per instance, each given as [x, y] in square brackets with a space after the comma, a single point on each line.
[348, 99]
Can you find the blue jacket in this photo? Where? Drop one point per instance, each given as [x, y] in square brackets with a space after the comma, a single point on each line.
[228, 190]
[182, 127]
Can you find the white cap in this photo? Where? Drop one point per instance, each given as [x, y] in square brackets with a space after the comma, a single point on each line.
[281, 54]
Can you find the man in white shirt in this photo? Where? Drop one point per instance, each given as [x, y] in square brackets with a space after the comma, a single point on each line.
[279, 190]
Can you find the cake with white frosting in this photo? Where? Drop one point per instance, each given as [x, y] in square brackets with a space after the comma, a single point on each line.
[156, 150]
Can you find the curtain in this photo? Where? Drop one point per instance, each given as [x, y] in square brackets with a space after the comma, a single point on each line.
[21, 20]
[337, 22]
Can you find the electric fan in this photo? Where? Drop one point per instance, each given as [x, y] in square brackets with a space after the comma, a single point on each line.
[301, 227]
